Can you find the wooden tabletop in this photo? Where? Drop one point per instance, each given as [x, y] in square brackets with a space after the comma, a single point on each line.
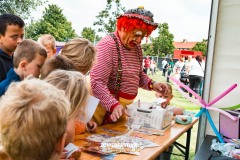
[170, 135]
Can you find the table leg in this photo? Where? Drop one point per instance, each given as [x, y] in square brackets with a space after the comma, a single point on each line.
[188, 144]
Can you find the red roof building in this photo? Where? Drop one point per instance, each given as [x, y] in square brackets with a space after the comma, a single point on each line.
[184, 48]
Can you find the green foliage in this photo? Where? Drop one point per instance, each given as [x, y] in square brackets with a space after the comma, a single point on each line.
[163, 44]
[90, 34]
[53, 22]
[106, 20]
[201, 46]
[148, 49]
[22, 8]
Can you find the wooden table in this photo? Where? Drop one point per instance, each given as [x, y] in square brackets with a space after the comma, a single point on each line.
[170, 136]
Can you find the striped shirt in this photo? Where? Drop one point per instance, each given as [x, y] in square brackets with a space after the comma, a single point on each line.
[104, 72]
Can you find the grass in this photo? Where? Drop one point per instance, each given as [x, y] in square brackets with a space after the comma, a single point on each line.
[179, 101]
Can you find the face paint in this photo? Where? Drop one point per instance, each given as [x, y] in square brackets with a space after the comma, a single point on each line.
[139, 33]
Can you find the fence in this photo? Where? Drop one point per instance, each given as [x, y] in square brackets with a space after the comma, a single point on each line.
[159, 60]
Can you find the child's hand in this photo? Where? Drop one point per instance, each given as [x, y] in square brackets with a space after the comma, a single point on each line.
[91, 126]
[160, 95]
[74, 156]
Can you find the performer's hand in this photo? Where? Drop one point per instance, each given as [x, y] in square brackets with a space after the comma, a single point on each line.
[160, 87]
[118, 112]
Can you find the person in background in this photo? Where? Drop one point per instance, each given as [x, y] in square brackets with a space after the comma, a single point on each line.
[188, 64]
[33, 116]
[49, 42]
[196, 74]
[11, 34]
[170, 68]
[164, 63]
[28, 59]
[147, 63]
[152, 67]
[117, 74]
[179, 65]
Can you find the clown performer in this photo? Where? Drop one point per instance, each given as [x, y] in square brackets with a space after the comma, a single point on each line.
[117, 74]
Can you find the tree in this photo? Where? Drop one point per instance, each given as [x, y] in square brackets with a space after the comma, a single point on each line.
[201, 46]
[107, 17]
[90, 34]
[163, 44]
[147, 49]
[22, 8]
[53, 22]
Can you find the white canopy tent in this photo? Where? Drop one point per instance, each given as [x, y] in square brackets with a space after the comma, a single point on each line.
[223, 61]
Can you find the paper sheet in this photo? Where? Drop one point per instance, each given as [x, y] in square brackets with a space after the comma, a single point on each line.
[70, 149]
[90, 108]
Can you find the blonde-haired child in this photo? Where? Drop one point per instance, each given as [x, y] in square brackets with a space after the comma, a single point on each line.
[81, 52]
[74, 85]
[33, 116]
[176, 111]
[49, 42]
[28, 59]
[63, 63]
[168, 97]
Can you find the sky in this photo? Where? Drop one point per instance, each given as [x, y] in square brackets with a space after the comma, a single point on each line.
[187, 19]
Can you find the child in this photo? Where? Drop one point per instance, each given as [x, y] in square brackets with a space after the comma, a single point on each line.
[49, 42]
[56, 62]
[11, 34]
[81, 52]
[61, 62]
[75, 86]
[33, 116]
[168, 97]
[176, 111]
[28, 60]
[83, 56]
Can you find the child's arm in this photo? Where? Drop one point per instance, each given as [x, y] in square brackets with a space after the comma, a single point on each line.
[178, 111]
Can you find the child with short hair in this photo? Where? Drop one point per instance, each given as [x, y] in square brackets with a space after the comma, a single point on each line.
[11, 34]
[33, 116]
[81, 52]
[168, 96]
[176, 111]
[56, 62]
[28, 59]
[49, 42]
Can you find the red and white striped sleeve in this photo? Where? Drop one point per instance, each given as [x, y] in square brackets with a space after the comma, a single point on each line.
[101, 71]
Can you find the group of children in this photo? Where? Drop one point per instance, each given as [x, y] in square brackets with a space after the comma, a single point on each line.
[45, 116]
[43, 95]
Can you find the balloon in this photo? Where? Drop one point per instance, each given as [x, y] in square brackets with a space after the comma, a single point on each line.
[232, 107]
[200, 112]
[205, 106]
[222, 95]
[188, 89]
[223, 112]
[187, 96]
[213, 127]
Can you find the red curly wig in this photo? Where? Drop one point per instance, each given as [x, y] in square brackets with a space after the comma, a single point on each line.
[131, 23]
